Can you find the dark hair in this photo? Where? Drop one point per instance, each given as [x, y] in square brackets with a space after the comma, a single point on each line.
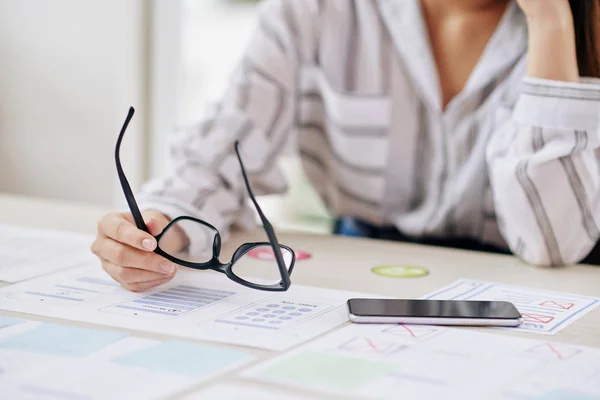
[586, 15]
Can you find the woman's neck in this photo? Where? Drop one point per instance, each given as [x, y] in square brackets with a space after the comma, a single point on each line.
[462, 7]
[458, 32]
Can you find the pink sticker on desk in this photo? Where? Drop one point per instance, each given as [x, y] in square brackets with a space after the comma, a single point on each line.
[266, 253]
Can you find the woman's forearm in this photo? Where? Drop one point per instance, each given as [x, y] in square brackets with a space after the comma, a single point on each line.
[552, 49]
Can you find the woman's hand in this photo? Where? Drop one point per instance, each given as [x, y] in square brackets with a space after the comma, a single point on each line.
[127, 252]
[552, 49]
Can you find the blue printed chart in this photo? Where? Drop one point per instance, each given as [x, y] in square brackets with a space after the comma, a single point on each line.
[172, 302]
[61, 340]
[5, 322]
[543, 311]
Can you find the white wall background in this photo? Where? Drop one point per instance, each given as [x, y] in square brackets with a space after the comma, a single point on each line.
[214, 36]
[69, 69]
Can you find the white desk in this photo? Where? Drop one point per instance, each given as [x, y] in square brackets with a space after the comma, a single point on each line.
[345, 264]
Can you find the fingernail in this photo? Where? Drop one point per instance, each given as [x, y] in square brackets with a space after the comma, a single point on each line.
[167, 267]
[148, 244]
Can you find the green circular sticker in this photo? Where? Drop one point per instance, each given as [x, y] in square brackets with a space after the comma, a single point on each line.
[400, 271]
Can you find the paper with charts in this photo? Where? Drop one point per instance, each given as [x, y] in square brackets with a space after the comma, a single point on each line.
[26, 253]
[543, 311]
[196, 304]
[47, 361]
[429, 362]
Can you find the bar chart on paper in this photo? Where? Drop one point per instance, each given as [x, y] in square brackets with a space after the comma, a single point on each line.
[543, 311]
[172, 302]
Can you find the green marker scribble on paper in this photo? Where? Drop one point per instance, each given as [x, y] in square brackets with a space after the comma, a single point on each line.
[400, 271]
[324, 370]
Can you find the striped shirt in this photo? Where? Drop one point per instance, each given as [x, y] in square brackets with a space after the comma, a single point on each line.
[509, 162]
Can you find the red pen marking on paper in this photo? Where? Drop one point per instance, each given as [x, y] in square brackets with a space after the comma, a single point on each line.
[556, 304]
[409, 331]
[543, 319]
[372, 345]
[555, 351]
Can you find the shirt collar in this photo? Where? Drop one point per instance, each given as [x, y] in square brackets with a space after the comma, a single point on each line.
[406, 25]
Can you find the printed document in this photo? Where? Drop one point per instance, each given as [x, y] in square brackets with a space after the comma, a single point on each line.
[47, 361]
[431, 362]
[196, 304]
[543, 311]
[26, 253]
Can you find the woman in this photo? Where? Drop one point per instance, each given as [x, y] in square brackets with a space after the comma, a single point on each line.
[466, 121]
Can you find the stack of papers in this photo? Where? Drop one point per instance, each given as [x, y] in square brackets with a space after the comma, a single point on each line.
[40, 360]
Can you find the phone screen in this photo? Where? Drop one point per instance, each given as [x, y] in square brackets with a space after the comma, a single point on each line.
[433, 308]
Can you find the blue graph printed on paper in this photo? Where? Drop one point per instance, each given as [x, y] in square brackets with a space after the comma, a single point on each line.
[177, 300]
[62, 340]
[5, 322]
[179, 357]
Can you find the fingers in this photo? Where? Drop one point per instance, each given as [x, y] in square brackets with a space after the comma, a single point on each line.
[120, 229]
[127, 253]
[126, 256]
[135, 279]
[129, 275]
[143, 286]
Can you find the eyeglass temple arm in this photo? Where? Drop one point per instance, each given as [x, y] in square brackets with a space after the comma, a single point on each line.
[133, 207]
[262, 216]
[267, 225]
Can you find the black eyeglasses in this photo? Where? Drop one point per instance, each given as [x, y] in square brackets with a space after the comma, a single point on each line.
[273, 276]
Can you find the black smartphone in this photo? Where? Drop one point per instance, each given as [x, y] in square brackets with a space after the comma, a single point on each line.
[433, 312]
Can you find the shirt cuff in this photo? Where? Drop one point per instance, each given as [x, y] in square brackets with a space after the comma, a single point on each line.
[200, 238]
[561, 105]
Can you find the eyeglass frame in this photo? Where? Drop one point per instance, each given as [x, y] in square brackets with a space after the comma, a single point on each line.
[214, 263]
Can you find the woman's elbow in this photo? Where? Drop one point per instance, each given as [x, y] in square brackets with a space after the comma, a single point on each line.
[556, 257]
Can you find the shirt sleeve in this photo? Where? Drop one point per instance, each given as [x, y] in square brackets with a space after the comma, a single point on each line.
[257, 109]
[544, 172]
